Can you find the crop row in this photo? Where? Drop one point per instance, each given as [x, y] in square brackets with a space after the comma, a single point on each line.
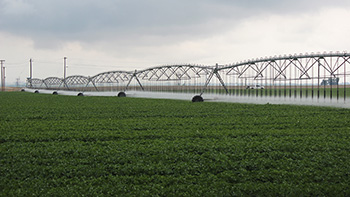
[61, 145]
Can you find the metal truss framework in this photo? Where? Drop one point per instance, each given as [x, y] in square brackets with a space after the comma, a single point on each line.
[302, 63]
[303, 71]
[173, 73]
[51, 82]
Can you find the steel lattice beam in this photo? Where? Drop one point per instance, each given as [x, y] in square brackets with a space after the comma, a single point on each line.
[298, 70]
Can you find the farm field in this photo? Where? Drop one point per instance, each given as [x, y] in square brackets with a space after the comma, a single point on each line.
[53, 145]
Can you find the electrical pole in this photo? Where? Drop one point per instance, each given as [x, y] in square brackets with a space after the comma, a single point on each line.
[3, 72]
[2, 75]
[30, 72]
[31, 68]
[64, 68]
[64, 71]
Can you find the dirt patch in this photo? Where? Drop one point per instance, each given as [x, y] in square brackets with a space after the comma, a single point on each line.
[12, 89]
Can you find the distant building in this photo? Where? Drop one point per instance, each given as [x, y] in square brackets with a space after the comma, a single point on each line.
[330, 81]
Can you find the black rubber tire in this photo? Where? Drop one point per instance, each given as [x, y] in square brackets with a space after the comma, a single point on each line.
[197, 98]
[80, 94]
[55, 93]
[121, 94]
[36, 91]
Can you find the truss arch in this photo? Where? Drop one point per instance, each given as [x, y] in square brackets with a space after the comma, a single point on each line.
[111, 80]
[35, 83]
[174, 72]
[53, 82]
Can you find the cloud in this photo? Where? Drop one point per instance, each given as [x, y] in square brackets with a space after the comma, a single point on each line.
[50, 22]
[136, 34]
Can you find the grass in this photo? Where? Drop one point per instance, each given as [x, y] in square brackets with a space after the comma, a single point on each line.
[75, 146]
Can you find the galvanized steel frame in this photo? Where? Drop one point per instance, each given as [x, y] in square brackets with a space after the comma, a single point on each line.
[276, 69]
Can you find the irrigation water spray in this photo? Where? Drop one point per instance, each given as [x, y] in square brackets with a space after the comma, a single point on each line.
[211, 98]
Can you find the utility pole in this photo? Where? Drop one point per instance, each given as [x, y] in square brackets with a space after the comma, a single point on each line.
[65, 68]
[30, 72]
[2, 75]
[31, 69]
[64, 71]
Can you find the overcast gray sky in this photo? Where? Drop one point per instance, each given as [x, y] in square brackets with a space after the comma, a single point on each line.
[98, 36]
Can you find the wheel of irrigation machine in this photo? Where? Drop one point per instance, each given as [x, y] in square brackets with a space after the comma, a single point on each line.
[36, 91]
[121, 94]
[80, 94]
[197, 98]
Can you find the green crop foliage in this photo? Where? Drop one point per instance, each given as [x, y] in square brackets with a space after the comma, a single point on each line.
[92, 146]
